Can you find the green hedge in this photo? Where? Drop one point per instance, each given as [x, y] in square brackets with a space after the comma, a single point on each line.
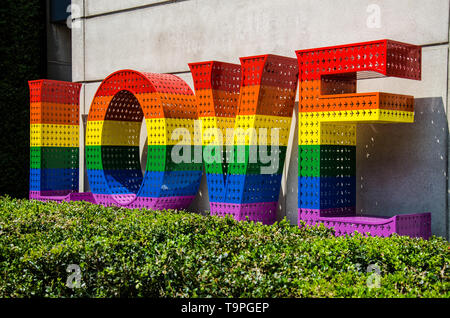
[138, 253]
[23, 58]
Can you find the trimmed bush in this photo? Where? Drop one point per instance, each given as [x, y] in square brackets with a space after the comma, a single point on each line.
[142, 253]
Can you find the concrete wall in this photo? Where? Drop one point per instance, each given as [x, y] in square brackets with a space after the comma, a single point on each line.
[401, 168]
[59, 50]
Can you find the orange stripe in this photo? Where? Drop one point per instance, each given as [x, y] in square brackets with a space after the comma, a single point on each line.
[217, 103]
[311, 100]
[54, 113]
[154, 105]
[266, 100]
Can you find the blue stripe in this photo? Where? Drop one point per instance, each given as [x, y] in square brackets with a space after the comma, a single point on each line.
[54, 179]
[157, 183]
[171, 183]
[326, 192]
[242, 189]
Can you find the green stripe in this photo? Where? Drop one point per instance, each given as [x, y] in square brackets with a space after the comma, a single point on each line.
[159, 158]
[239, 166]
[112, 158]
[326, 161]
[93, 157]
[54, 157]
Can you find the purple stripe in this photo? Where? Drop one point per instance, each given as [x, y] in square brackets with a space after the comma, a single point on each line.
[56, 196]
[265, 212]
[333, 212]
[128, 201]
[414, 225]
[164, 203]
[53, 193]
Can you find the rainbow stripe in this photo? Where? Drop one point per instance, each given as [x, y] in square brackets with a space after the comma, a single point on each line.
[259, 94]
[330, 108]
[54, 138]
[123, 101]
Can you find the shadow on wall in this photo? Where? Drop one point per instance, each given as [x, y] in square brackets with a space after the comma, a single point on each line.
[402, 168]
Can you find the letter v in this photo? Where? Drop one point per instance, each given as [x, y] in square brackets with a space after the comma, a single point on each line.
[252, 98]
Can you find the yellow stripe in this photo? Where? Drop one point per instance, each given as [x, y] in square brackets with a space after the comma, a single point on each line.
[339, 128]
[327, 134]
[214, 130]
[48, 135]
[172, 131]
[357, 116]
[113, 133]
[159, 131]
[248, 130]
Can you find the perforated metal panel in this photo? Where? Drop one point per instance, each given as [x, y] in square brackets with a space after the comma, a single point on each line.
[54, 142]
[122, 102]
[329, 109]
[259, 94]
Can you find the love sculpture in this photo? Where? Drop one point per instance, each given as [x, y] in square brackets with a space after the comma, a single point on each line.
[242, 102]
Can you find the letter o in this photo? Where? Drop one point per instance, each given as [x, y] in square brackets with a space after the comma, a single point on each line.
[123, 100]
